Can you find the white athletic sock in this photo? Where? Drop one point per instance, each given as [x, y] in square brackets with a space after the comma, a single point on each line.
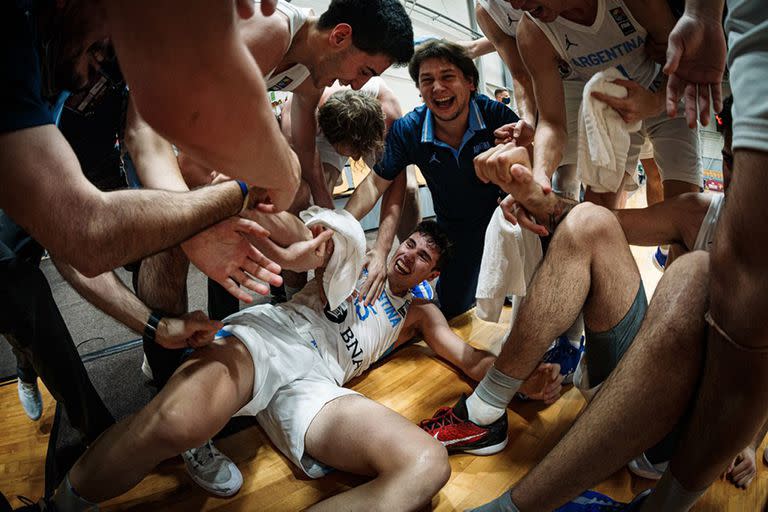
[66, 499]
[670, 495]
[491, 397]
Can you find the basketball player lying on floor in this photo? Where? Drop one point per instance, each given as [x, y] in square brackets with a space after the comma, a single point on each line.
[286, 365]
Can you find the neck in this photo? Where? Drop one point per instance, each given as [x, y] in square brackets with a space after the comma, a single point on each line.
[301, 49]
[395, 290]
[452, 132]
[582, 12]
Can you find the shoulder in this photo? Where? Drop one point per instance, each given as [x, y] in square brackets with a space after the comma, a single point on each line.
[267, 38]
[494, 113]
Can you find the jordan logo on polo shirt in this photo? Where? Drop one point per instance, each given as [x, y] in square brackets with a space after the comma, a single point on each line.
[434, 159]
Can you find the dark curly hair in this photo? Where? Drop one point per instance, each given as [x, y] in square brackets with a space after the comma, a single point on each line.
[437, 238]
[378, 26]
[354, 118]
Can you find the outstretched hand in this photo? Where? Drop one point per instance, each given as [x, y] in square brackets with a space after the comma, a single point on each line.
[223, 253]
[191, 330]
[695, 65]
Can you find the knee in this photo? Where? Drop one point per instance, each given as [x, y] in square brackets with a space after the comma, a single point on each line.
[427, 465]
[172, 431]
[588, 224]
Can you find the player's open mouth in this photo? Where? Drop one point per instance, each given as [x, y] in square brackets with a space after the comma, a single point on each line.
[401, 268]
[444, 103]
[537, 11]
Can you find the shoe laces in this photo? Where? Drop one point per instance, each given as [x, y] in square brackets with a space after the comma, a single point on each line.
[443, 417]
[204, 454]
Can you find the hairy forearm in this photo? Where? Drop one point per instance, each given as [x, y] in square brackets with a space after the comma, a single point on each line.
[108, 293]
[548, 146]
[365, 195]
[391, 209]
[524, 98]
[124, 226]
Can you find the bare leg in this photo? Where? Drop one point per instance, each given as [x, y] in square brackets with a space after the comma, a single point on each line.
[411, 213]
[219, 376]
[610, 200]
[358, 435]
[731, 405]
[162, 285]
[588, 266]
[651, 387]
[674, 188]
[654, 190]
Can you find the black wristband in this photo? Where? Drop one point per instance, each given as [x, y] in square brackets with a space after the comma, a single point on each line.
[150, 329]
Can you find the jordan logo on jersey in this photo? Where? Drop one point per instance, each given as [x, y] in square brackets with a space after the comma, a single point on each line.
[434, 159]
[569, 43]
[510, 20]
[621, 19]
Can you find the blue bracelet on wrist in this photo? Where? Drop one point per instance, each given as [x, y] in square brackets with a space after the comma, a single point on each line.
[243, 188]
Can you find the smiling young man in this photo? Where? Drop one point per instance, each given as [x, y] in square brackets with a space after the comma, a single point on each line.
[442, 137]
[351, 42]
[286, 365]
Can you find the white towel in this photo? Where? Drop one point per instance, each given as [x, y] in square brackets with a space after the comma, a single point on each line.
[510, 258]
[346, 262]
[603, 135]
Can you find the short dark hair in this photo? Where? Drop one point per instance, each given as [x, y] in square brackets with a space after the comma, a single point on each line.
[378, 26]
[445, 50]
[725, 118]
[354, 118]
[500, 90]
[437, 238]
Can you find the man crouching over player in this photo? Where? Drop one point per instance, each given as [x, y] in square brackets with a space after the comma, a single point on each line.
[286, 365]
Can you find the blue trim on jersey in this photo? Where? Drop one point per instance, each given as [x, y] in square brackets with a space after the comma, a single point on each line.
[423, 290]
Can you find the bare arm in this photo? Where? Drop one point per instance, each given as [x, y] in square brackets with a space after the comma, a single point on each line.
[477, 47]
[541, 60]
[227, 123]
[44, 190]
[674, 220]
[152, 155]
[108, 293]
[507, 48]
[303, 133]
[428, 321]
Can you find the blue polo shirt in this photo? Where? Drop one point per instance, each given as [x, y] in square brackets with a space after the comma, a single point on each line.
[462, 202]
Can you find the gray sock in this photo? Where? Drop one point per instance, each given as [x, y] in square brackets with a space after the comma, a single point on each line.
[66, 499]
[491, 397]
[501, 504]
[670, 495]
[497, 388]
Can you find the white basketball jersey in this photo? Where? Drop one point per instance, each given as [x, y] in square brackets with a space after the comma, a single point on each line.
[292, 77]
[352, 337]
[615, 39]
[709, 224]
[503, 14]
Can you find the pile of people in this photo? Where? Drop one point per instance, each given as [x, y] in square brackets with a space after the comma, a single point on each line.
[106, 162]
